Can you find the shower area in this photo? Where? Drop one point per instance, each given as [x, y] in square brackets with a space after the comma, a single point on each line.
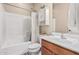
[17, 31]
[16, 28]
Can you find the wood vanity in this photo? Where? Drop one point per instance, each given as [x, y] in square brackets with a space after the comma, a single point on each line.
[49, 48]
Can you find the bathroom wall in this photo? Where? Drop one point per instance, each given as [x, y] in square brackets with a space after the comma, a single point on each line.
[19, 8]
[1, 8]
[61, 16]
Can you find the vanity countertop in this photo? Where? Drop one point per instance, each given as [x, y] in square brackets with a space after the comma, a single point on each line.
[62, 43]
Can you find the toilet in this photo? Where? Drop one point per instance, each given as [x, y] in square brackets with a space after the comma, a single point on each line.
[34, 48]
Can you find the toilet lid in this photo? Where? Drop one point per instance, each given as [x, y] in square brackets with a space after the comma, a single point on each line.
[34, 45]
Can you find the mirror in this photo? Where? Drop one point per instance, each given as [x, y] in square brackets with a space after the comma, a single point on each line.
[73, 18]
[66, 17]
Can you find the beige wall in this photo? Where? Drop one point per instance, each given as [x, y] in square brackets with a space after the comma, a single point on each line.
[37, 6]
[23, 9]
[1, 8]
[61, 15]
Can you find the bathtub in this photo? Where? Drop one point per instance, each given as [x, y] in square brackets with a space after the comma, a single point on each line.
[16, 49]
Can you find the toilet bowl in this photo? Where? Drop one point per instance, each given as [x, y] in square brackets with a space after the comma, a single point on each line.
[34, 48]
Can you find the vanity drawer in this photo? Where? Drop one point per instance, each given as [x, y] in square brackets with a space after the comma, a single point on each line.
[56, 49]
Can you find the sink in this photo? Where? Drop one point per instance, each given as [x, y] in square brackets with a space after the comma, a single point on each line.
[72, 40]
[67, 40]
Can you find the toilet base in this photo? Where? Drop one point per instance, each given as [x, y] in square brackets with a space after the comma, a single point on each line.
[34, 53]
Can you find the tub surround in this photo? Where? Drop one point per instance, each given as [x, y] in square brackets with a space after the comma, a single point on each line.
[65, 47]
[16, 49]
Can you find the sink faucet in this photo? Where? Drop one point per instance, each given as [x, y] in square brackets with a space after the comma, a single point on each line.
[62, 36]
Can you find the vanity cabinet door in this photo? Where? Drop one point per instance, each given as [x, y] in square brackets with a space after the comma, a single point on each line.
[45, 51]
